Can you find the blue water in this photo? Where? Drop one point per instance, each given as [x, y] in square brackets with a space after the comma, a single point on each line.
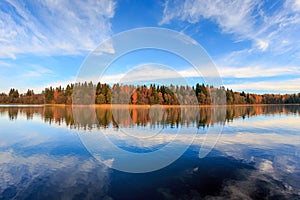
[44, 155]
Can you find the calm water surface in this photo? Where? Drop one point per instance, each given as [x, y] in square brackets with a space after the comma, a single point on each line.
[43, 154]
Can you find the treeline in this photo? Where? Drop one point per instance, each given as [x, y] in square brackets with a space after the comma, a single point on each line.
[88, 93]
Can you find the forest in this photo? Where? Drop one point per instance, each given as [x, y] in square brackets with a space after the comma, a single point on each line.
[101, 93]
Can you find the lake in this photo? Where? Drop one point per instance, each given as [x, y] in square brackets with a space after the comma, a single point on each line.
[233, 152]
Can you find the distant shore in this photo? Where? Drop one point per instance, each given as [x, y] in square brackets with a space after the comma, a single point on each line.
[138, 106]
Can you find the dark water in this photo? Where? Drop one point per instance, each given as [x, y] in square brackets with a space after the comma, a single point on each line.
[45, 153]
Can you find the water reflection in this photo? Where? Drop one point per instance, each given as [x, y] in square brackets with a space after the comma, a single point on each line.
[49, 177]
[88, 118]
[256, 157]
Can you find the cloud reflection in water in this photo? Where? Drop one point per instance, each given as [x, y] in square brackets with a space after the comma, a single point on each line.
[256, 156]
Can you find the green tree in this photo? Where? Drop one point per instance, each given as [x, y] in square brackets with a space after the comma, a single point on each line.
[100, 99]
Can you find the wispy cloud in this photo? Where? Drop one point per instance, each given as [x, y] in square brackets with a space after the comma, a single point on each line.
[231, 16]
[4, 64]
[258, 71]
[284, 86]
[37, 71]
[53, 27]
[150, 71]
[268, 25]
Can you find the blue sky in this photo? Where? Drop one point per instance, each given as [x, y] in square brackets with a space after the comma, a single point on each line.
[255, 44]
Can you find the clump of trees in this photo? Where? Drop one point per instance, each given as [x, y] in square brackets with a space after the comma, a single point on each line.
[13, 97]
[102, 93]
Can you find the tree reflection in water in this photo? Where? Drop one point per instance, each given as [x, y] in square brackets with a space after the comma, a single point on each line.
[104, 117]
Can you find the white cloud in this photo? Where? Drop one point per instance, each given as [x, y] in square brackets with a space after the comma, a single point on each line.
[276, 31]
[53, 27]
[290, 86]
[263, 45]
[232, 16]
[32, 74]
[4, 64]
[257, 71]
[37, 71]
[148, 72]
[106, 47]
[297, 5]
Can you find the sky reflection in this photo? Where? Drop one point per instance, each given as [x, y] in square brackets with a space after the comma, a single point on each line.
[257, 155]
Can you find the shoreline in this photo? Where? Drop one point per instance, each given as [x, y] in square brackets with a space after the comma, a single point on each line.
[140, 106]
